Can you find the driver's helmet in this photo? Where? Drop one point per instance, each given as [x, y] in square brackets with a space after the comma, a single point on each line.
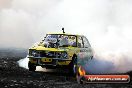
[64, 41]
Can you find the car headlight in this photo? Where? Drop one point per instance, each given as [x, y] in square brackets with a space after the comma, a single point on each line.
[51, 54]
[34, 53]
[64, 55]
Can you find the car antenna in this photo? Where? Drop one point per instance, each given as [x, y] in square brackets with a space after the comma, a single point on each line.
[63, 30]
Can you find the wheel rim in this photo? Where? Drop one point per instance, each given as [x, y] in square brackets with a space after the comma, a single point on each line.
[74, 69]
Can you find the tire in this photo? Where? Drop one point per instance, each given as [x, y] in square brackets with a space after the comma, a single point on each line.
[31, 66]
[81, 80]
[73, 66]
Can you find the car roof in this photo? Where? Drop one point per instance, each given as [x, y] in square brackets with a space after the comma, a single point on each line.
[64, 34]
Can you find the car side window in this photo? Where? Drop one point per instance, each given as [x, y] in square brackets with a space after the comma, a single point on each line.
[80, 42]
[86, 42]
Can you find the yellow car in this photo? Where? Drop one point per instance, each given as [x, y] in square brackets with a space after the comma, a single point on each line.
[61, 51]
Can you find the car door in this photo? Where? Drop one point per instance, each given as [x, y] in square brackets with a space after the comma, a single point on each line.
[88, 50]
[85, 53]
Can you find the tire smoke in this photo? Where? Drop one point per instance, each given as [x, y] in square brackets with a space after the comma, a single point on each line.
[24, 64]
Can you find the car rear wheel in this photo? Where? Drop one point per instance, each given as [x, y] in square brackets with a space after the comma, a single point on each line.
[31, 66]
[81, 80]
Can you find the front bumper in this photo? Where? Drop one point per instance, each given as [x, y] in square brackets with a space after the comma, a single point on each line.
[43, 61]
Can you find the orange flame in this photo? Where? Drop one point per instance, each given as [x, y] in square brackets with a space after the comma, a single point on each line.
[81, 71]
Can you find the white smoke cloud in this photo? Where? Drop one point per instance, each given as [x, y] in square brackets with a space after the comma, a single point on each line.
[106, 23]
[24, 62]
[19, 24]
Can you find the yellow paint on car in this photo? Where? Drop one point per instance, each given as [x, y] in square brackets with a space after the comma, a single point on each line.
[32, 61]
[46, 59]
[64, 62]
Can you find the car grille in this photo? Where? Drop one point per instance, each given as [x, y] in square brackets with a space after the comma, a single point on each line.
[50, 54]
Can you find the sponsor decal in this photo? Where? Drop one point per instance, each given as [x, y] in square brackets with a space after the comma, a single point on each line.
[107, 78]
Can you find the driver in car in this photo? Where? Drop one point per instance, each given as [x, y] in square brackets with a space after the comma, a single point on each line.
[64, 41]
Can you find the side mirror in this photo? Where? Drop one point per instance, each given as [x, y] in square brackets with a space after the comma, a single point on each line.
[91, 57]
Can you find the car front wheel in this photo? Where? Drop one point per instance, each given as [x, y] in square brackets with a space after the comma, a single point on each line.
[31, 66]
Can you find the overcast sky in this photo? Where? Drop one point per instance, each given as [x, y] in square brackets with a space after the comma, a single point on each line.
[24, 22]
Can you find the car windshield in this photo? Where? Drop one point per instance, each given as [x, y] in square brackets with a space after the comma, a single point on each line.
[60, 40]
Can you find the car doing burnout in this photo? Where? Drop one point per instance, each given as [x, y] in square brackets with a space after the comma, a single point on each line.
[61, 51]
